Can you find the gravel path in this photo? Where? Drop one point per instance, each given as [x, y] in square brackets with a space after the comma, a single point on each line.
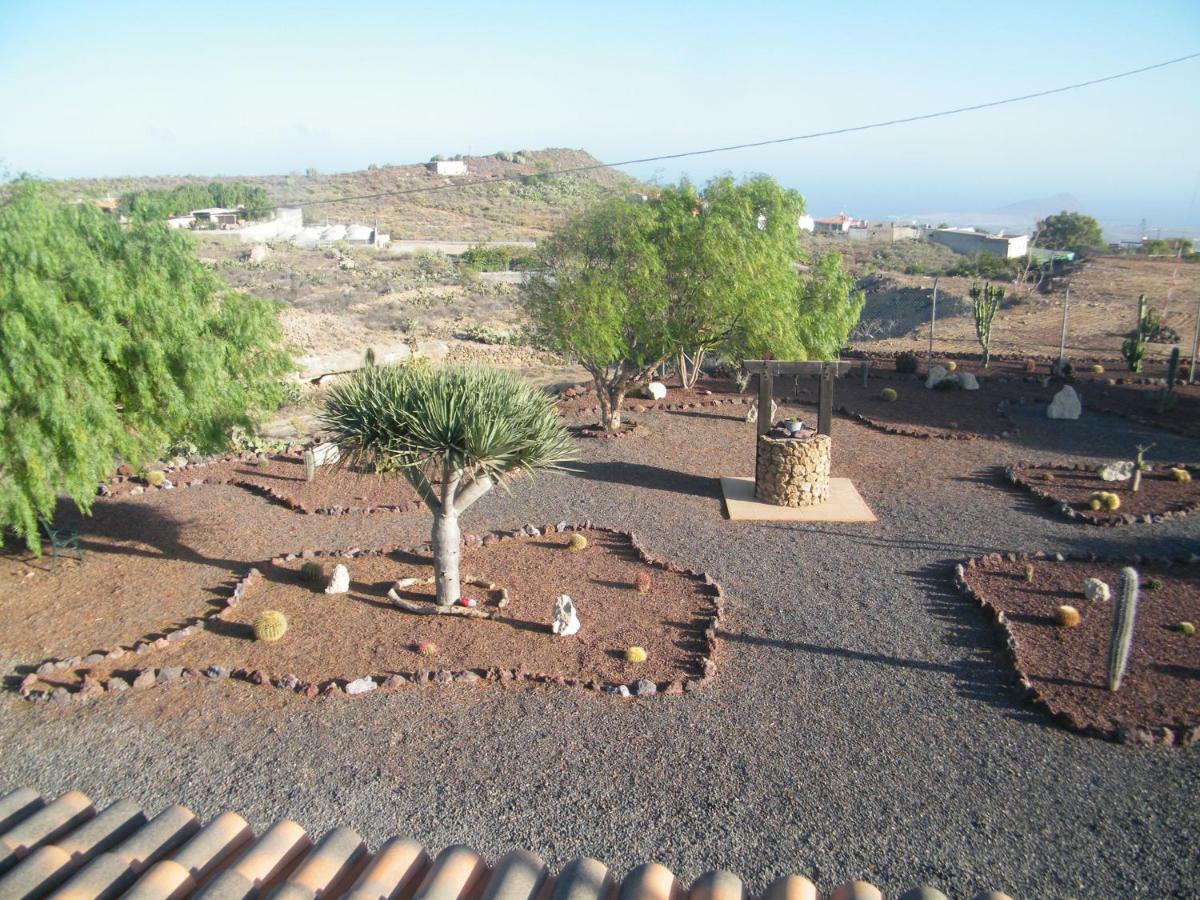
[861, 724]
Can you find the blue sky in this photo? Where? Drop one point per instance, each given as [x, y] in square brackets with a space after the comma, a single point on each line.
[110, 88]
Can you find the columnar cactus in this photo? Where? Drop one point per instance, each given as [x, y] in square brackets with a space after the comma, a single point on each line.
[1122, 629]
[310, 465]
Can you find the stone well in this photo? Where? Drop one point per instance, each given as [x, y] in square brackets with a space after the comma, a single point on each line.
[793, 471]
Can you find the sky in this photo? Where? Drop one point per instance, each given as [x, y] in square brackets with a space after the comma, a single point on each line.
[244, 88]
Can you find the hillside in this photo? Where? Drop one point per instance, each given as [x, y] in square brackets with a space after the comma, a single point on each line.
[502, 210]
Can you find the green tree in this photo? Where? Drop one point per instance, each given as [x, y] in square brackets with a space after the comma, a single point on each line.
[627, 285]
[114, 342]
[453, 433]
[1070, 231]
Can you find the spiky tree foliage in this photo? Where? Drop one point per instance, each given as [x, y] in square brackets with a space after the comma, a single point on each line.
[114, 342]
[985, 303]
[454, 433]
[628, 285]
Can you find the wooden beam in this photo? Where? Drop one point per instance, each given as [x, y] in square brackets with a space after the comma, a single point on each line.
[799, 367]
[765, 389]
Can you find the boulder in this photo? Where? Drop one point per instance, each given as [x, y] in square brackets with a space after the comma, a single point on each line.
[339, 581]
[1096, 591]
[326, 454]
[1065, 405]
[1117, 471]
[657, 390]
[361, 685]
[967, 381]
[433, 349]
[937, 374]
[566, 621]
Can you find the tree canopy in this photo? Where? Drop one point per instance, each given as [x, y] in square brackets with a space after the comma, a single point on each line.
[114, 342]
[158, 204]
[627, 285]
[454, 433]
[1070, 231]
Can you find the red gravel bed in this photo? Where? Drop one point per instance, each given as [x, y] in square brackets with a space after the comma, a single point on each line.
[334, 490]
[1065, 670]
[336, 639]
[580, 400]
[1070, 487]
[1135, 401]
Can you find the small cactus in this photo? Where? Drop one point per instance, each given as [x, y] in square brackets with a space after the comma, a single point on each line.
[577, 542]
[1067, 616]
[312, 572]
[1029, 573]
[270, 626]
[1180, 474]
[155, 477]
[1154, 584]
[263, 462]
[642, 582]
[1097, 369]
[1105, 500]
[888, 395]
[1187, 629]
[1124, 612]
[427, 648]
[635, 655]
[951, 365]
[1095, 504]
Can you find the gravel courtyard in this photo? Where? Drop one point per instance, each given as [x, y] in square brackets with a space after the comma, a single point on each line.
[862, 724]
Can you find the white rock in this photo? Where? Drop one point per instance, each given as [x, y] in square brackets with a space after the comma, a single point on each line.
[339, 581]
[937, 374]
[1065, 405]
[1117, 471]
[657, 390]
[433, 349]
[326, 454]
[259, 253]
[1096, 591]
[361, 685]
[967, 381]
[566, 622]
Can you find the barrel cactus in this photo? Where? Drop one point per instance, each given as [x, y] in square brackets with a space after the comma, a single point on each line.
[1067, 616]
[155, 477]
[888, 395]
[635, 655]
[642, 582]
[577, 542]
[1180, 474]
[270, 626]
[312, 572]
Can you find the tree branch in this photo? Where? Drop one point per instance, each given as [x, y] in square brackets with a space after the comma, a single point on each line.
[472, 491]
[423, 488]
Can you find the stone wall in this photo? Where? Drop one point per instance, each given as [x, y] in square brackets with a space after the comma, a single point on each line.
[793, 471]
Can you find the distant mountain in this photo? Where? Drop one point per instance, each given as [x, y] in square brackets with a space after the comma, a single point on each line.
[1038, 208]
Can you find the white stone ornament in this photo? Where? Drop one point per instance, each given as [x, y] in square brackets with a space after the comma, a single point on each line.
[967, 381]
[657, 390]
[1117, 471]
[326, 454]
[1065, 405]
[339, 581]
[937, 374]
[566, 621]
[1096, 591]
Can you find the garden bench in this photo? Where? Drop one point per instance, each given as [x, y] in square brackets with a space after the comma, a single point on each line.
[61, 539]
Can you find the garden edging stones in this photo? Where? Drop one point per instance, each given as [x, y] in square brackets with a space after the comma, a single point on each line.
[32, 689]
[1016, 475]
[1139, 736]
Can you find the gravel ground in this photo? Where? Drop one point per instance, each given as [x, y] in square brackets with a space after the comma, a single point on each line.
[861, 725]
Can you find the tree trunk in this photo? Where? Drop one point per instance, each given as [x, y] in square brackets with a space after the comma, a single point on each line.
[447, 542]
[689, 371]
[611, 397]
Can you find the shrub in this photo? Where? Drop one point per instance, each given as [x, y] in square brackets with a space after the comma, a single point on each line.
[906, 363]
[270, 626]
[888, 395]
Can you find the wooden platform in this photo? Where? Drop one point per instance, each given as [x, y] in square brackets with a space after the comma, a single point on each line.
[66, 848]
[845, 504]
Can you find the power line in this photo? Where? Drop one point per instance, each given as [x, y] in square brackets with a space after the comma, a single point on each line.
[783, 140]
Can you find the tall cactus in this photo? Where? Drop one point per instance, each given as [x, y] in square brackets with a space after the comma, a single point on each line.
[310, 465]
[1134, 347]
[1122, 628]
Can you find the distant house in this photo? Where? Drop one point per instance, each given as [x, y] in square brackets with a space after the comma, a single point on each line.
[884, 231]
[970, 242]
[216, 217]
[448, 167]
[180, 221]
[835, 224]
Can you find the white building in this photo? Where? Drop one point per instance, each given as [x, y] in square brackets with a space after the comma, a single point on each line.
[806, 223]
[449, 167]
[889, 232]
[970, 242]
